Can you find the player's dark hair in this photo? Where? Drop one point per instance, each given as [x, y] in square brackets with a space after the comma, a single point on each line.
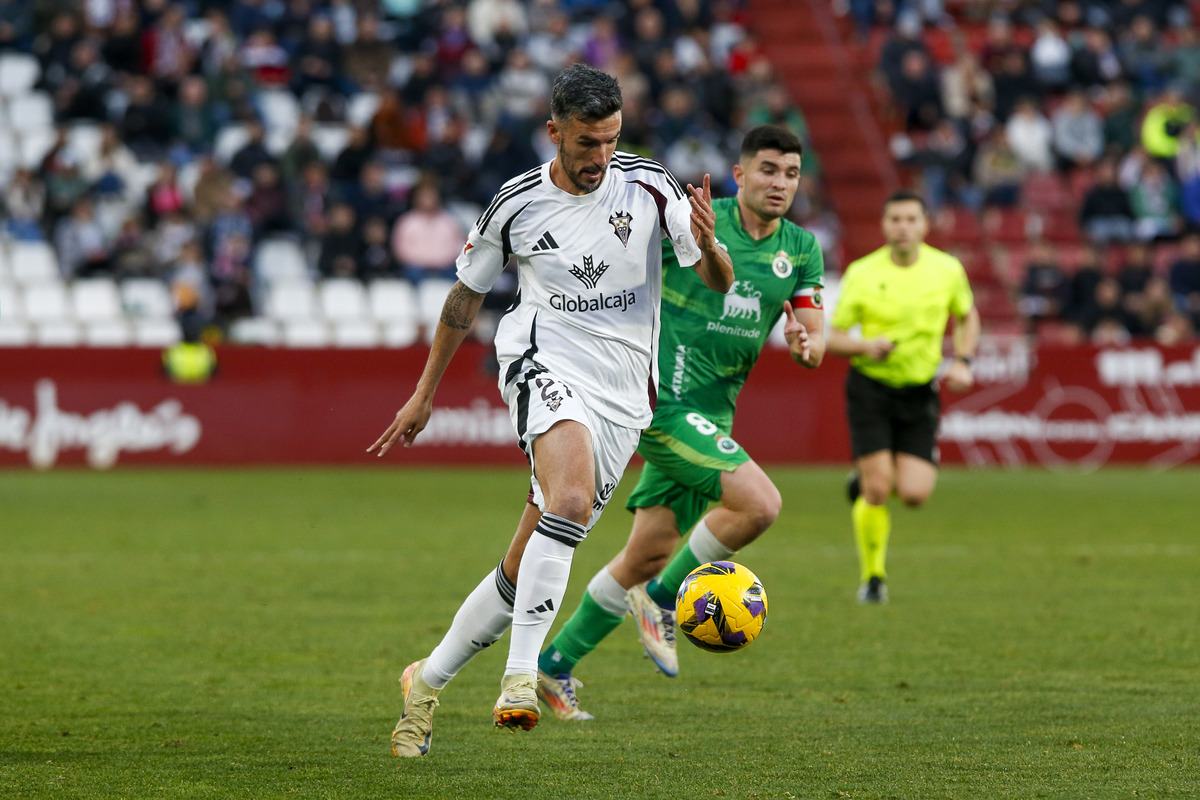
[905, 195]
[770, 137]
[584, 93]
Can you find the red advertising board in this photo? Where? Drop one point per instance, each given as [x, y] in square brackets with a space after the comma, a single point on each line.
[1049, 406]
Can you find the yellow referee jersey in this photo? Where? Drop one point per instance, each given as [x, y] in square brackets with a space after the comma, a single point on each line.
[908, 305]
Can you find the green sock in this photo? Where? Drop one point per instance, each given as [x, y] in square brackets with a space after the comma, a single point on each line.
[586, 628]
[663, 588]
[872, 525]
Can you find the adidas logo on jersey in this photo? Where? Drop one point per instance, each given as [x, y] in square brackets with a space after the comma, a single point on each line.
[545, 243]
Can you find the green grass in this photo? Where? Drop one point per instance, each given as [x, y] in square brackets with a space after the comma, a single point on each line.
[239, 634]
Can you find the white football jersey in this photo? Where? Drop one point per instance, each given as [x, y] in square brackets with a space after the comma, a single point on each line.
[590, 274]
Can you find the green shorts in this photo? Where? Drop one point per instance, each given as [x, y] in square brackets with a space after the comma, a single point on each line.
[685, 455]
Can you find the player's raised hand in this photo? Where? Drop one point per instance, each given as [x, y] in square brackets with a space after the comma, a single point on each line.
[704, 219]
[796, 334]
[410, 421]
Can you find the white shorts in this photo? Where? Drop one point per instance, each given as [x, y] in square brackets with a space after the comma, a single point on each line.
[536, 400]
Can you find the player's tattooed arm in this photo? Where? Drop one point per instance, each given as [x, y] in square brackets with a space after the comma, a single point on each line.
[460, 308]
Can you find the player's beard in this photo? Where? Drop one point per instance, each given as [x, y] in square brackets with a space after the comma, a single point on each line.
[573, 174]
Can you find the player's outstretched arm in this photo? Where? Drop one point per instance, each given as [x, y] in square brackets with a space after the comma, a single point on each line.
[715, 267]
[804, 329]
[841, 343]
[458, 312]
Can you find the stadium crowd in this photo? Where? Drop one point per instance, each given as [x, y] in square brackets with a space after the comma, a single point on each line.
[172, 139]
[1071, 129]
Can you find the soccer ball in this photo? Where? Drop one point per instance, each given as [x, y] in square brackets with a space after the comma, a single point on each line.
[721, 606]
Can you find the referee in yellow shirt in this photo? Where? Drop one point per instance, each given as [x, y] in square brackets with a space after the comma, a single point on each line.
[902, 296]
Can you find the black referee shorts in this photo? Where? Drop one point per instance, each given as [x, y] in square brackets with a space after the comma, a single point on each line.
[899, 419]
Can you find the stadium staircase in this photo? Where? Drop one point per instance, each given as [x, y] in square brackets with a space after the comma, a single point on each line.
[832, 78]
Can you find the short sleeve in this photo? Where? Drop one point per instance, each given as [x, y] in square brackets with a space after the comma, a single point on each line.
[846, 313]
[678, 220]
[961, 296]
[810, 276]
[480, 262]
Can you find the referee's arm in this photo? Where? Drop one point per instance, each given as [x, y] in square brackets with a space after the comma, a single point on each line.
[966, 342]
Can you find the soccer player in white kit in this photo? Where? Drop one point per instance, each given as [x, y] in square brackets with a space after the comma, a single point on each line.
[578, 368]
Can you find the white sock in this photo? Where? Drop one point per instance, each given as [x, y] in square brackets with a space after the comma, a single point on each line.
[607, 593]
[545, 569]
[705, 547]
[482, 619]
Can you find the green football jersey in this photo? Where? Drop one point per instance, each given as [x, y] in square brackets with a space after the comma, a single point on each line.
[709, 342]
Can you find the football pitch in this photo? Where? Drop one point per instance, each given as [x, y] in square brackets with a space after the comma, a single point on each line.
[240, 634]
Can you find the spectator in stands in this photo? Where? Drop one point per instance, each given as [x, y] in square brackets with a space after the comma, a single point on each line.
[170, 235]
[213, 184]
[83, 93]
[189, 282]
[252, 153]
[265, 60]
[132, 253]
[1143, 56]
[1106, 215]
[369, 60]
[83, 251]
[1104, 320]
[111, 170]
[146, 124]
[1120, 118]
[318, 59]
[522, 88]
[1031, 136]
[602, 44]
[63, 177]
[267, 202]
[193, 117]
[998, 172]
[1078, 133]
[395, 129]
[301, 152]
[1136, 270]
[918, 93]
[1154, 199]
[230, 221]
[966, 86]
[427, 239]
[1095, 63]
[1050, 57]
[495, 25]
[1013, 84]
[340, 246]
[1185, 278]
[311, 200]
[1081, 289]
[552, 46]
[999, 43]
[1164, 121]
[53, 48]
[348, 165]
[16, 24]
[1185, 56]
[376, 260]
[167, 55]
[371, 196]
[231, 276]
[1149, 310]
[164, 197]
[1187, 170]
[25, 205]
[1043, 289]
[945, 161]
[905, 38]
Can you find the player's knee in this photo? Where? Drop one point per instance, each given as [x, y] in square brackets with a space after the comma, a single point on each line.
[876, 490]
[913, 499]
[572, 505]
[765, 510]
[648, 568]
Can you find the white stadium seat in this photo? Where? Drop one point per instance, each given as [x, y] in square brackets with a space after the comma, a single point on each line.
[108, 333]
[155, 332]
[361, 108]
[400, 333]
[96, 300]
[10, 303]
[356, 333]
[291, 300]
[278, 259]
[5, 261]
[31, 111]
[280, 110]
[33, 145]
[306, 333]
[32, 262]
[147, 298]
[343, 299]
[431, 296]
[47, 302]
[15, 333]
[230, 139]
[330, 139]
[84, 138]
[255, 330]
[59, 333]
[19, 73]
[393, 300]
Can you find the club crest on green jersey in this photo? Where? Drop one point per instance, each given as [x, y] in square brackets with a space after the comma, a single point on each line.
[782, 265]
[620, 222]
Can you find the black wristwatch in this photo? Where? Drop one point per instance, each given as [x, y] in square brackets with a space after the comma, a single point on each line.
[965, 359]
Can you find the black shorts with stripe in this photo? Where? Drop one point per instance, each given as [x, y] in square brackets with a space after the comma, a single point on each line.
[900, 419]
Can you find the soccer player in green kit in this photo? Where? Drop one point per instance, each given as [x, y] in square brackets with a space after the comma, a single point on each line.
[902, 295]
[706, 350]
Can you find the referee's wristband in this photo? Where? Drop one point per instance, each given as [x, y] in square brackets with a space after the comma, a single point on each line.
[965, 359]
